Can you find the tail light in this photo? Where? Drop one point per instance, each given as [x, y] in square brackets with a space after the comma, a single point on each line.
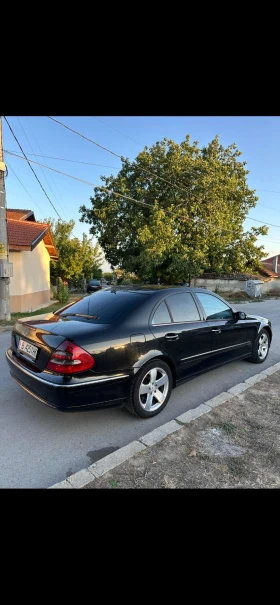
[68, 358]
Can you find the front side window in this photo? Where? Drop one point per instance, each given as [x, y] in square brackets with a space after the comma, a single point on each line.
[182, 307]
[214, 308]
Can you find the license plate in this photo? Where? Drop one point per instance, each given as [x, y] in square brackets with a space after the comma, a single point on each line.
[28, 349]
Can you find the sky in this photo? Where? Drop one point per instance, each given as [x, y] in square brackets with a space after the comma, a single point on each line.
[257, 137]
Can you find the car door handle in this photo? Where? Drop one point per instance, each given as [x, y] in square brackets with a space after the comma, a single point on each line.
[217, 331]
[172, 336]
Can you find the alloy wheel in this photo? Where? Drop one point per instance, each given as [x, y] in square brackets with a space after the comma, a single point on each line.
[153, 389]
[263, 346]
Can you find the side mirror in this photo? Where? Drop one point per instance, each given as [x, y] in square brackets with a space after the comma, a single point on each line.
[240, 315]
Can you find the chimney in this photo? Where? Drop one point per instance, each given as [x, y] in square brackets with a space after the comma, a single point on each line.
[275, 263]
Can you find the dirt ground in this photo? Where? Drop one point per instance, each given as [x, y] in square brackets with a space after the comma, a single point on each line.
[237, 445]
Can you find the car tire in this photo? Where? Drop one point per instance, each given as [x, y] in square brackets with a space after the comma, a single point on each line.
[261, 347]
[150, 389]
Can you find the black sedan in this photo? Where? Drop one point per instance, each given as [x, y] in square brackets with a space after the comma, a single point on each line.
[94, 285]
[131, 347]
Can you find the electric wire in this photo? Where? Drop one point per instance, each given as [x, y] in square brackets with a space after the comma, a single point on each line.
[120, 156]
[32, 168]
[17, 177]
[51, 176]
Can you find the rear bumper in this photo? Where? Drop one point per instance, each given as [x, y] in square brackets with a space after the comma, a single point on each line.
[65, 394]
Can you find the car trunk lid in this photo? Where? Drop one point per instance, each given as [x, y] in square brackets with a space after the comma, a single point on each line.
[33, 341]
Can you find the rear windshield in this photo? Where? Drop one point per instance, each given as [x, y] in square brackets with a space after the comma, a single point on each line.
[94, 282]
[104, 306]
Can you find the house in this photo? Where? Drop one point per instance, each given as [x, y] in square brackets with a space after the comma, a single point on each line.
[31, 247]
[272, 265]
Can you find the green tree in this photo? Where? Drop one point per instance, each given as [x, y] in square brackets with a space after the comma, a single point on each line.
[76, 257]
[191, 206]
[92, 258]
[108, 276]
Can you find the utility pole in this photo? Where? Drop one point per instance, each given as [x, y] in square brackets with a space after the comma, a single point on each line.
[6, 268]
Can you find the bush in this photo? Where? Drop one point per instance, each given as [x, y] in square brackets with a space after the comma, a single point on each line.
[62, 291]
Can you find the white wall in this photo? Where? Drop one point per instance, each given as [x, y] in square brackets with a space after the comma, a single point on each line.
[223, 285]
[31, 271]
[271, 285]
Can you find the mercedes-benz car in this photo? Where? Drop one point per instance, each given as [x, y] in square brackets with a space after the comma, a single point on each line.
[131, 347]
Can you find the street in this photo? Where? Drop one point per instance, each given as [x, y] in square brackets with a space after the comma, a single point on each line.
[40, 446]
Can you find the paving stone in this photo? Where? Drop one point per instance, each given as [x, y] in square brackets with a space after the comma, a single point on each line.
[238, 388]
[218, 399]
[80, 479]
[160, 433]
[62, 485]
[112, 460]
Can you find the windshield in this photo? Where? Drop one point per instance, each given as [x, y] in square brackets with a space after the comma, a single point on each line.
[104, 306]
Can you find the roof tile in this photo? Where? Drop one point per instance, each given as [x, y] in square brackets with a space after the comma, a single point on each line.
[21, 215]
[22, 235]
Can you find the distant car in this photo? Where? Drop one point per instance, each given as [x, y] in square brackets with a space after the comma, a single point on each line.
[131, 347]
[94, 285]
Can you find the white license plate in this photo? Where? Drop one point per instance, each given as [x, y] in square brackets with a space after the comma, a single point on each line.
[27, 348]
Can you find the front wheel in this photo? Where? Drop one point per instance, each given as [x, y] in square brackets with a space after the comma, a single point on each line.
[150, 390]
[261, 347]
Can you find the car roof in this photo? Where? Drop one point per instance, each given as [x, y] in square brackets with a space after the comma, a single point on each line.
[160, 289]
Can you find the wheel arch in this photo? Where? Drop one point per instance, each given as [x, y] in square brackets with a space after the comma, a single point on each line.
[161, 357]
[267, 328]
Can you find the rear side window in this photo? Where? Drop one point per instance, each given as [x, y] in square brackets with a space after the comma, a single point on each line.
[214, 307]
[183, 307]
[161, 315]
[104, 306]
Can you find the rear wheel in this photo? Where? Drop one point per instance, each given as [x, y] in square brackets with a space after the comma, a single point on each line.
[261, 347]
[150, 390]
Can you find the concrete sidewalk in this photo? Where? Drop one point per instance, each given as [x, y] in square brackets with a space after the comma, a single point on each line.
[230, 441]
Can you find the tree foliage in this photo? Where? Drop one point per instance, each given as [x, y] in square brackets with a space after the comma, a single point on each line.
[108, 275]
[191, 206]
[76, 257]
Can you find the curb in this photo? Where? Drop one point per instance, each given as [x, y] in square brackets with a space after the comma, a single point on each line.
[85, 476]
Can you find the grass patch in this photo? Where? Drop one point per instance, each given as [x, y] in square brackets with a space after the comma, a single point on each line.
[114, 484]
[228, 428]
[51, 309]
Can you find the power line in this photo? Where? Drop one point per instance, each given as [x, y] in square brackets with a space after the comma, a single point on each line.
[31, 167]
[119, 156]
[36, 204]
[50, 157]
[43, 173]
[268, 207]
[268, 240]
[257, 221]
[99, 186]
[126, 135]
[55, 185]
[121, 194]
[268, 190]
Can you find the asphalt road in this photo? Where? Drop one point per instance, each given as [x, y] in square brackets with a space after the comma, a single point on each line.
[40, 446]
